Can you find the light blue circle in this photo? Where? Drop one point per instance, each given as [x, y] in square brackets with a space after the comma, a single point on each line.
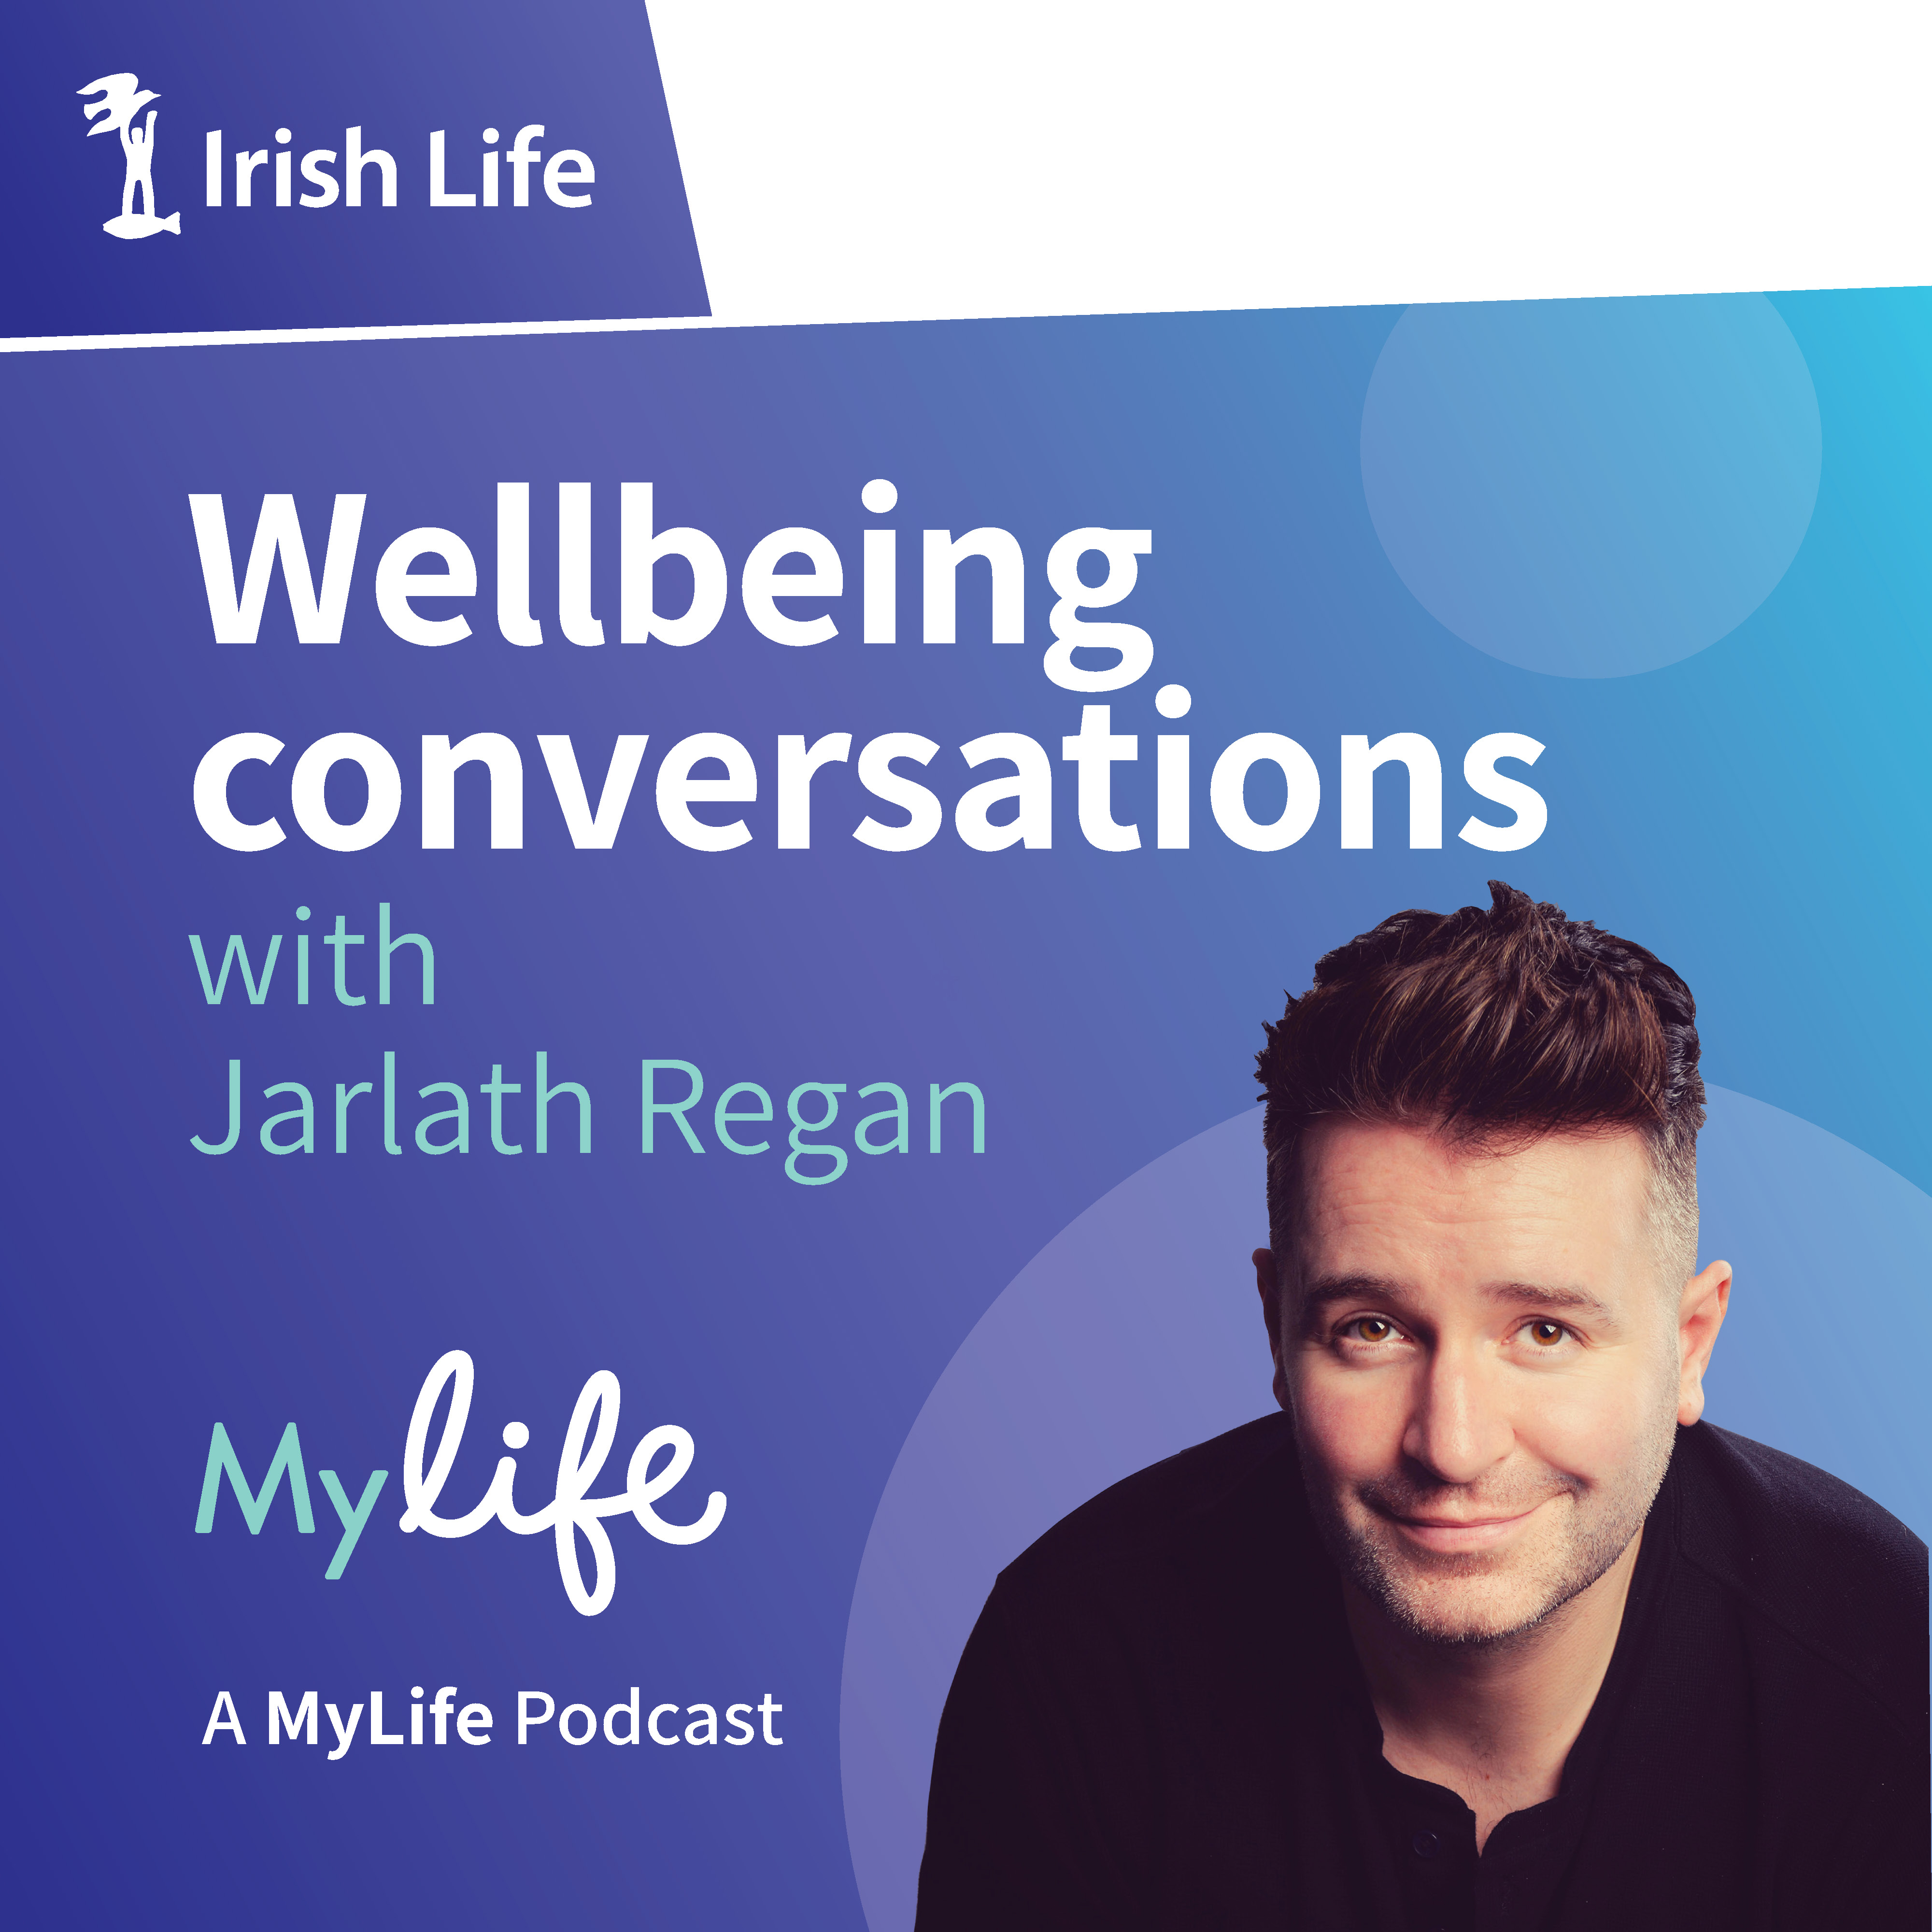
[1591, 488]
[1137, 1331]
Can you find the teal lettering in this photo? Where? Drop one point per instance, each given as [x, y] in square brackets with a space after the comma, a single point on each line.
[341, 940]
[305, 1113]
[496, 1087]
[234, 1114]
[353, 1520]
[343, 1095]
[802, 1149]
[677, 1109]
[222, 1461]
[459, 1143]
[939, 1099]
[387, 946]
[724, 1118]
[546, 1093]
[215, 988]
[899, 1113]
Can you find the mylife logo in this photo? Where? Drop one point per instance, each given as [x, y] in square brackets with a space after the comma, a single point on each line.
[330, 175]
[572, 1510]
[122, 97]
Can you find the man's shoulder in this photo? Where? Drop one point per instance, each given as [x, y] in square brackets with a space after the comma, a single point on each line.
[1815, 1558]
[1200, 1499]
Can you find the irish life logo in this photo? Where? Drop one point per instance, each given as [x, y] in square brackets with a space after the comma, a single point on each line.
[122, 97]
[562, 178]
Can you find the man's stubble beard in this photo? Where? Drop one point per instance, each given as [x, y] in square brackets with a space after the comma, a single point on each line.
[1472, 1599]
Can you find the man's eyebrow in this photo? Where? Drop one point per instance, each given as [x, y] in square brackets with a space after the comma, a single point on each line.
[1542, 1295]
[1324, 1289]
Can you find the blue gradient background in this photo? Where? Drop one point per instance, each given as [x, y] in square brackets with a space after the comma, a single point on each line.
[1755, 813]
[587, 73]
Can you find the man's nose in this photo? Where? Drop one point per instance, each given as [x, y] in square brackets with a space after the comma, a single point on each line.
[1459, 1428]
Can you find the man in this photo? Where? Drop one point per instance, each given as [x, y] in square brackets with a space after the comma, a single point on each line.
[1487, 1629]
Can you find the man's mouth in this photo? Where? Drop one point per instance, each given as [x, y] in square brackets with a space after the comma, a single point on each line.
[1444, 1533]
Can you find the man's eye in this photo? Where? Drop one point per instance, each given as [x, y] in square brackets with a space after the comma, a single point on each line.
[1372, 1328]
[1545, 1334]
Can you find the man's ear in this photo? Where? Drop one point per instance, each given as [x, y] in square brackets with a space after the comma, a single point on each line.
[1268, 1280]
[1700, 1314]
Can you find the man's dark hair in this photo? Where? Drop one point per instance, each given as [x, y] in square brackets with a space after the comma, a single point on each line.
[1492, 1027]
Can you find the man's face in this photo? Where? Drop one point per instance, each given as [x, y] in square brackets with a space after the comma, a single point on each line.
[1484, 1366]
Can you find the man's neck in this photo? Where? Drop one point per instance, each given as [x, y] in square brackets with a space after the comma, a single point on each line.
[1494, 1723]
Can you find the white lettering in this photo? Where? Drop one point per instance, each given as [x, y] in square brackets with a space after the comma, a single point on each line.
[318, 620]
[1479, 773]
[574, 1511]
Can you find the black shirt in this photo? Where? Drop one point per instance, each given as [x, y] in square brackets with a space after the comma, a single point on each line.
[1159, 1721]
